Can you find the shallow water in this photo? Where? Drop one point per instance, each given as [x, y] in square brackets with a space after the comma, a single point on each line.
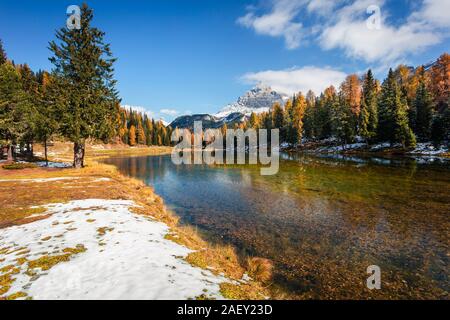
[322, 220]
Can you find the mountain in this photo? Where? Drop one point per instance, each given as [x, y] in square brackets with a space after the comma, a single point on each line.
[259, 99]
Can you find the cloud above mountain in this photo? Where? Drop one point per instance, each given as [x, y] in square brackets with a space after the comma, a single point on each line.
[296, 80]
[163, 114]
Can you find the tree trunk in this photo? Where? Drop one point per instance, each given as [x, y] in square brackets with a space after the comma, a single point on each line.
[78, 155]
[10, 153]
[30, 151]
[45, 153]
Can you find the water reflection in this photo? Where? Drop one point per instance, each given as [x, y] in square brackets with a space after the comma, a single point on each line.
[321, 220]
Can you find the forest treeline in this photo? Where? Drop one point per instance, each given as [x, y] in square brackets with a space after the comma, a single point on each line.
[410, 105]
[76, 101]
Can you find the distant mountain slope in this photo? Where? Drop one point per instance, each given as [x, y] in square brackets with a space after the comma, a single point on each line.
[259, 99]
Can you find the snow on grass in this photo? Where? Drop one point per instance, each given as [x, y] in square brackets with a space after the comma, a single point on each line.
[126, 256]
[429, 149]
[40, 180]
[54, 164]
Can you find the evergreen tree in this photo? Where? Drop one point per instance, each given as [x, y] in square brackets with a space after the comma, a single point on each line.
[423, 106]
[277, 116]
[46, 123]
[84, 65]
[342, 116]
[287, 131]
[393, 116]
[3, 57]
[309, 119]
[368, 118]
[14, 108]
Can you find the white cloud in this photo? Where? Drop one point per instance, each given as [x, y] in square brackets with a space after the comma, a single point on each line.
[140, 109]
[322, 7]
[350, 33]
[294, 80]
[163, 115]
[169, 112]
[434, 12]
[277, 23]
[341, 24]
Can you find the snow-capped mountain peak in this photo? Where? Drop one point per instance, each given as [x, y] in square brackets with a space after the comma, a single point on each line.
[259, 99]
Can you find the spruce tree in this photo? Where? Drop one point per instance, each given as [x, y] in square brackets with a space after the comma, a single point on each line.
[423, 106]
[393, 114]
[309, 121]
[3, 57]
[14, 108]
[277, 116]
[368, 118]
[46, 115]
[342, 124]
[84, 64]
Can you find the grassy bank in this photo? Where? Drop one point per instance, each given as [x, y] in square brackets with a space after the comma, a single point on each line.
[24, 193]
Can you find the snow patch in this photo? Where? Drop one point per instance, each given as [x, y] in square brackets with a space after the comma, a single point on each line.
[40, 180]
[130, 259]
[54, 164]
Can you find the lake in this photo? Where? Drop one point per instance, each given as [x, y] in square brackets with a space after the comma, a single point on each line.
[321, 220]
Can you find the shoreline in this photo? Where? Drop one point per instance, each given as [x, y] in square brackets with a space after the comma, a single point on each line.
[220, 261]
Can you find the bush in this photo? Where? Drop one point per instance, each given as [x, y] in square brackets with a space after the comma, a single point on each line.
[19, 166]
[259, 269]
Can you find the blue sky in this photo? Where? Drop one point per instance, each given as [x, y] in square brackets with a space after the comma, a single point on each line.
[195, 56]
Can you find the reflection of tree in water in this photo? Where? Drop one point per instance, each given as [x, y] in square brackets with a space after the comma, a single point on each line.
[322, 221]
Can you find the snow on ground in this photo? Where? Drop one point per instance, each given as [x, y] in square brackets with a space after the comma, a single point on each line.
[54, 164]
[40, 180]
[429, 149]
[128, 260]
[341, 148]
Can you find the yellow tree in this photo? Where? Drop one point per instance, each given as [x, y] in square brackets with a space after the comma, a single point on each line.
[132, 138]
[351, 91]
[440, 76]
[299, 109]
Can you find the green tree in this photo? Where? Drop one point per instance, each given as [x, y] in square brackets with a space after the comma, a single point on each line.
[309, 119]
[45, 117]
[3, 57]
[423, 106]
[277, 116]
[368, 118]
[342, 120]
[84, 63]
[393, 114]
[14, 108]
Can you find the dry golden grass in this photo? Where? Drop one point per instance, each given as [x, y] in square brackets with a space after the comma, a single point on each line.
[259, 269]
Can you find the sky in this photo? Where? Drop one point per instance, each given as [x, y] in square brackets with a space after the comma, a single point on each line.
[180, 57]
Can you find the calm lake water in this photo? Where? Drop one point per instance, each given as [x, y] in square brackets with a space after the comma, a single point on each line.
[321, 220]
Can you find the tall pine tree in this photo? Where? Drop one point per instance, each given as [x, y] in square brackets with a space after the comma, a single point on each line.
[84, 68]
[3, 57]
[393, 114]
[423, 106]
[368, 118]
